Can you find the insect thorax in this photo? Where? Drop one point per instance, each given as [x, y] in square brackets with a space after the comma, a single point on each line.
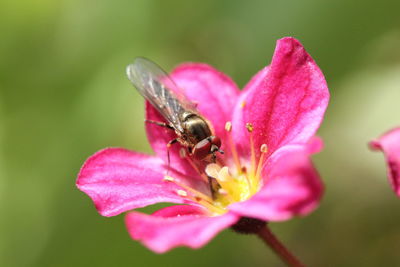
[195, 128]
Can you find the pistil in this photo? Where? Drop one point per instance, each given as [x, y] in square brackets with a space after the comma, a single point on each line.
[228, 128]
[263, 150]
[250, 129]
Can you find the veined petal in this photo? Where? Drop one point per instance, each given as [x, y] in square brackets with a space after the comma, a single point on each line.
[291, 187]
[214, 93]
[287, 105]
[389, 144]
[175, 226]
[118, 180]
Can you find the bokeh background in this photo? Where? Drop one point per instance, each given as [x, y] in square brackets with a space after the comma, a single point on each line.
[64, 95]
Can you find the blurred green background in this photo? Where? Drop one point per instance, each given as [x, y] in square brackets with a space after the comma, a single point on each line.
[64, 95]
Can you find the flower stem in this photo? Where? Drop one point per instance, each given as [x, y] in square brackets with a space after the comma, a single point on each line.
[270, 239]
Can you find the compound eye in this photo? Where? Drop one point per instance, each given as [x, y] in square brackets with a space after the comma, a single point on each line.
[215, 140]
[202, 149]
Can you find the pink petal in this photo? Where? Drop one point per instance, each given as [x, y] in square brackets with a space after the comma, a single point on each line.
[389, 143]
[176, 226]
[287, 105]
[118, 180]
[315, 145]
[291, 187]
[214, 93]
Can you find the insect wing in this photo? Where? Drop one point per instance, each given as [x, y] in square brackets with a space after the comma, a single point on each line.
[158, 88]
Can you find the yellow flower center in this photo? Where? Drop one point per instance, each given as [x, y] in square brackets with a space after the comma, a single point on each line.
[228, 184]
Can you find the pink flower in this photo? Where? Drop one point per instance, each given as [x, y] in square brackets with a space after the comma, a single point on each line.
[267, 132]
[389, 143]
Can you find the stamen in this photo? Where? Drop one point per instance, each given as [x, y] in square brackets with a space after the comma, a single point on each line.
[243, 104]
[201, 201]
[227, 185]
[250, 129]
[210, 206]
[213, 170]
[189, 189]
[223, 175]
[263, 150]
[181, 193]
[224, 179]
[169, 179]
[228, 128]
[222, 191]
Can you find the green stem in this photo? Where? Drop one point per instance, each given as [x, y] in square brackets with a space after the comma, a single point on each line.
[270, 239]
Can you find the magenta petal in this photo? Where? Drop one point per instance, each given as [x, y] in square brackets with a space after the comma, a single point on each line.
[389, 143]
[176, 226]
[118, 180]
[291, 187]
[214, 93]
[315, 145]
[287, 105]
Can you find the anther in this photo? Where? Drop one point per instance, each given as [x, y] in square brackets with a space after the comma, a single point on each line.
[263, 148]
[243, 104]
[181, 193]
[228, 126]
[169, 179]
[249, 127]
[213, 170]
[224, 175]
[194, 192]
[222, 191]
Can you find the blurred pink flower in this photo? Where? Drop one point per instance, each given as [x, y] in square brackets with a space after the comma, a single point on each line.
[267, 132]
[389, 144]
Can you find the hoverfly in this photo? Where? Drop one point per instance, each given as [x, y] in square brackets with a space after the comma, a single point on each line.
[192, 130]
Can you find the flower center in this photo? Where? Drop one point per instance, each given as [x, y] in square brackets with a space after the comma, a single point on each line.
[228, 183]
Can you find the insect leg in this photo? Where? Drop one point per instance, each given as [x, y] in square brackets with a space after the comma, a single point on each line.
[214, 185]
[169, 144]
[159, 123]
[214, 150]
[213, 157]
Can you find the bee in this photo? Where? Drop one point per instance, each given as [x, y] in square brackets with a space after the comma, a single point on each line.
[192, 130]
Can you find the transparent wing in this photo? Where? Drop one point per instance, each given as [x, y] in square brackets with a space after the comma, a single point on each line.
[158, 88]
